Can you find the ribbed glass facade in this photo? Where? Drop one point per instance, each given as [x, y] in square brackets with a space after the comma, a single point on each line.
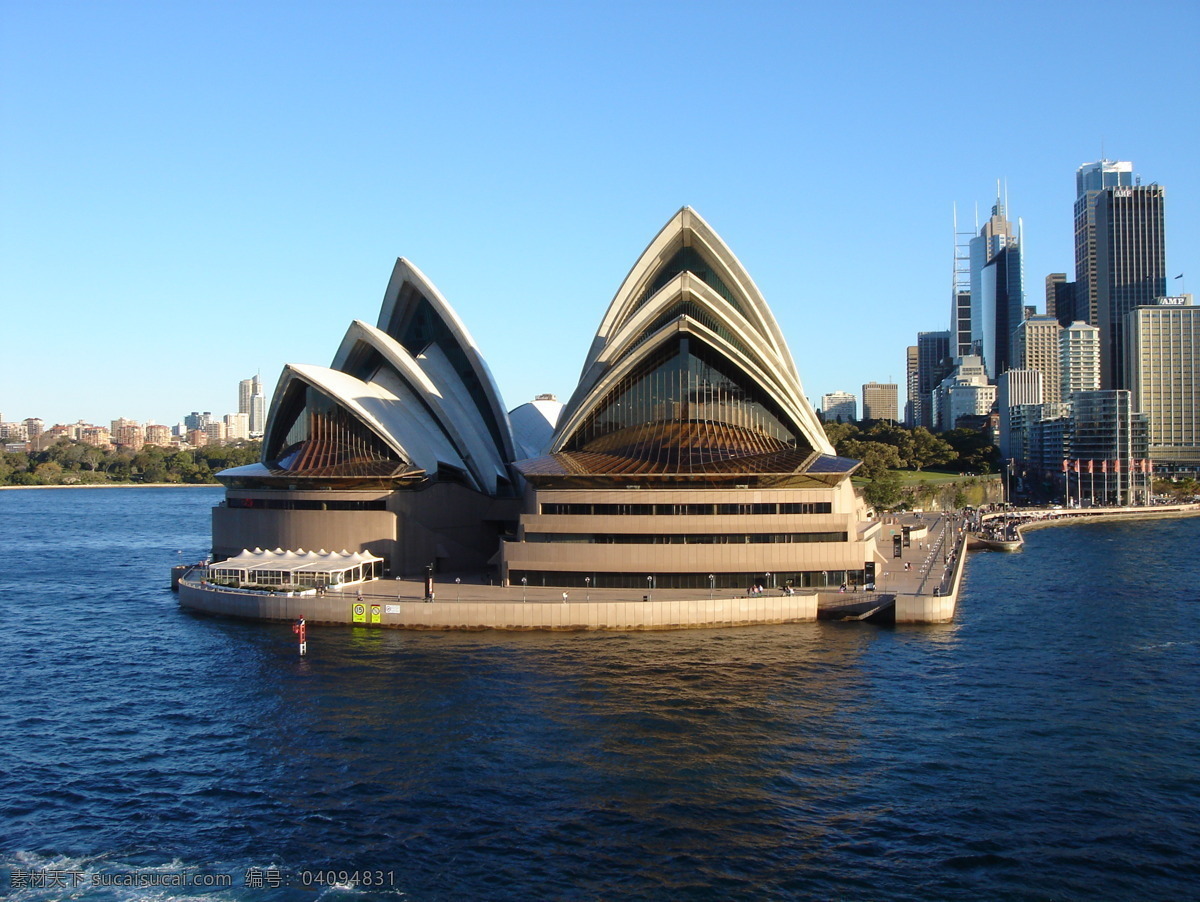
[324, 439]
[684, 384]
[688, 259]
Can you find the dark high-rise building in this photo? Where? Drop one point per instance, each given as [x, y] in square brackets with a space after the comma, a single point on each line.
[1090, 180]
[960, 292]
[912, 385]
[1131, 267]
[1002, 306]
[934, 364]
[997, 289]
[1108, 432]
[961, 327]
[1060, 299]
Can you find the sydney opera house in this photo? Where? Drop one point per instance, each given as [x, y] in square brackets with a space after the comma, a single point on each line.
[687, 456]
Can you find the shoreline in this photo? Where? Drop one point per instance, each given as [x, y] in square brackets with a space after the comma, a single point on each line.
[1108, 516]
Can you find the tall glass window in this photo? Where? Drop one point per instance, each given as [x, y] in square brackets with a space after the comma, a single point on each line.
[686, 406]
[326, 439]
[688, 259]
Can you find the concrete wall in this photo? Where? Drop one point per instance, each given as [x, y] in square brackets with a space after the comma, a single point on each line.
[449, 524]
[632, 615]
[733, 558]
[238, 528]
[934, 608]
[456, 527]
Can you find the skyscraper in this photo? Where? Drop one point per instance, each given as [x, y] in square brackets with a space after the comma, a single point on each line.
[253, 403]
[196, 420]
[961, 330]
[1120, 254]
[960, 292]
[1131, 266]
[1035, 347]
[934, 363]
[1106, 430]
[880, 401]
[1079, 358]
[1017, 389]
[912, 385]
[1002, 306]
[997, 290]
[1060, 298]
[1163, 362]
[1090, 180]
[839, 406]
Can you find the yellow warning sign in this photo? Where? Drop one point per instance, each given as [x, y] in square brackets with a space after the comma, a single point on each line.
[375, 614]
[360, 613]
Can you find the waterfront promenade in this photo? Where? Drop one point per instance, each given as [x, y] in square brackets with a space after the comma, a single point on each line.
[924, 591]
[1025, 519]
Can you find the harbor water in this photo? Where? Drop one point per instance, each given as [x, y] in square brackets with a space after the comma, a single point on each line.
[1043, 746]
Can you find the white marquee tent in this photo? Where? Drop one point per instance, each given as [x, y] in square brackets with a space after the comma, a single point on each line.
[298, 568]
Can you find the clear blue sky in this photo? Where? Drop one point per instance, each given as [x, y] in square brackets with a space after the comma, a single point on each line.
[193, 192]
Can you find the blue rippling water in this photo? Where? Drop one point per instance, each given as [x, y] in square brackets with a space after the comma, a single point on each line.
[1042, 747]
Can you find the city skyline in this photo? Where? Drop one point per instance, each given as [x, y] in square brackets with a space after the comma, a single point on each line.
[171, 226]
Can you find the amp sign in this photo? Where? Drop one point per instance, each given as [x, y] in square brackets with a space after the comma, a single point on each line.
[1177, 301]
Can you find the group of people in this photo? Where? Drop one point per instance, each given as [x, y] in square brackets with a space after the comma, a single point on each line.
[758, 589]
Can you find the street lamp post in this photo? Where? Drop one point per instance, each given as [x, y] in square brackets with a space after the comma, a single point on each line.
[524, 583]
[650, 588]
[587, 583]
[458, 588]
[712, 581]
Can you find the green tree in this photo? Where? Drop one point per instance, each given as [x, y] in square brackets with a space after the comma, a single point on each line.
[92, 457]
[895, 435]
[119, 465]
[876, 457]
[13, 463]
[59, 452]
[838, 433]
[928, 450]
[883, 492]
[975, 453]
[48, 473]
